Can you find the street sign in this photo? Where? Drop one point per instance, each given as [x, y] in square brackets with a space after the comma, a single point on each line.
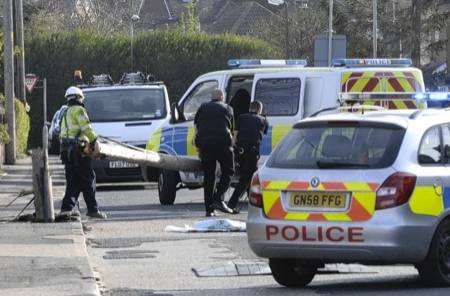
[30, 82]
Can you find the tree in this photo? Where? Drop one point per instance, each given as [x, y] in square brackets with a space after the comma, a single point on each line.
[190, 21]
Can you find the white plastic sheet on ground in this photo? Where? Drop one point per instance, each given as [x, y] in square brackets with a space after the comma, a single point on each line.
[211, 225]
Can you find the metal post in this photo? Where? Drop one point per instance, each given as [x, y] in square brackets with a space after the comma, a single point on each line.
[44, 81]
[8, 37]
[330, 33]
[375, 27]
[132, 49]
[21, 56]
[286, 43]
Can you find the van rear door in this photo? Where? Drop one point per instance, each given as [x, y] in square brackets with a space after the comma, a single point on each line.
[282, 97]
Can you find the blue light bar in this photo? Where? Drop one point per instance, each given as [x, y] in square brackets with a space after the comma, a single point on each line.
[433, 96]
[254, 63]
[372, 62]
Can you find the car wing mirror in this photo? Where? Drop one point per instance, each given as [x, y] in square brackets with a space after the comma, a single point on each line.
[174, 113]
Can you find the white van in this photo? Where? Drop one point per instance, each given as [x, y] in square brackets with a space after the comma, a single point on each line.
[289, 92]
[126, 112]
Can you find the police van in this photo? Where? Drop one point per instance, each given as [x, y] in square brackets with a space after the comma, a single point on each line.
[289, 91]
[126, 112]
[366, 187]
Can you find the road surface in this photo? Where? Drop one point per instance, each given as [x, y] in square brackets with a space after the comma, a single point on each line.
[132, 254]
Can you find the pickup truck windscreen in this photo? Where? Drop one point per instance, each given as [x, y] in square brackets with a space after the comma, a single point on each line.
[125, 104]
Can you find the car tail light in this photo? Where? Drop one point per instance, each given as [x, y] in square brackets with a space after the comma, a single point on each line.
[255, 195]
[395, 191]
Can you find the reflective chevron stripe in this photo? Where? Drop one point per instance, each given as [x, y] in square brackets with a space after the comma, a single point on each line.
[362, 205]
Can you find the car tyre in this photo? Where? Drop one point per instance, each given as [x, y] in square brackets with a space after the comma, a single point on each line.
[291, 273]
[435, 269]
[167, 186]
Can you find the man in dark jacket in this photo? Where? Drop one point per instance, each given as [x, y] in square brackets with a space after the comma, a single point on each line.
[250, 128]
[214, 124]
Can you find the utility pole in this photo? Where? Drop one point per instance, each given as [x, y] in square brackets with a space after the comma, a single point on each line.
[286, 43]
[375, 27]
[8, 36]
[21, 56]
[330, 33]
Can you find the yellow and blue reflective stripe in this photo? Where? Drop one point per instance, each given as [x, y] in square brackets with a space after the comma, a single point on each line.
[180, 139]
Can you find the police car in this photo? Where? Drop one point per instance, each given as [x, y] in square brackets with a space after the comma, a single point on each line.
[126, 112]
[371, 188]
[289, 91]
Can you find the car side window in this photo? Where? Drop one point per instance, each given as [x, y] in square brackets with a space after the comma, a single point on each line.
[430, 147]
[199, 95]
[446, 142]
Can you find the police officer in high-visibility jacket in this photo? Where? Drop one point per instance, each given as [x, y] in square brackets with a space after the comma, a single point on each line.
[78, 145]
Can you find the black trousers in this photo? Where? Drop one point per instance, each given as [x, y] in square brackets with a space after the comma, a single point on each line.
[80, 177]
[248, 164]
[210, 154]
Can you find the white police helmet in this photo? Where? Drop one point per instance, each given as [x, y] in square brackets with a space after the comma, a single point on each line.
[74, 92]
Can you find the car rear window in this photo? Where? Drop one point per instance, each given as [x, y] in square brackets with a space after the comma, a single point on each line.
[339, 145]
[279, 96]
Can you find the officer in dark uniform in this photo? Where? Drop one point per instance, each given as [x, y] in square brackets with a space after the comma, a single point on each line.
[214, 123]
[250, 128]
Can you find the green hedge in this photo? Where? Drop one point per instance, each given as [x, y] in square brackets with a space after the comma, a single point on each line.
[174, 58]
[22, 126]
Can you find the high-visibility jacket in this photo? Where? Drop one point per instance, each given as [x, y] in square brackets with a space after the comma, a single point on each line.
[75, 124]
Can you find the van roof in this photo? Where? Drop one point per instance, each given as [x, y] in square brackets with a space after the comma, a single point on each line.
[252, 71]
[121, 87]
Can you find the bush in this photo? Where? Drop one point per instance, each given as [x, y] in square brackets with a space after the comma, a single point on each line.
[4, 137]
[173, 57]
[22, 127]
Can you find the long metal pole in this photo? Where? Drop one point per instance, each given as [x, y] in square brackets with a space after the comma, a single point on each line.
[21, 56]
[330, 33]
[132, 46]
[375, 27]
[8, 37]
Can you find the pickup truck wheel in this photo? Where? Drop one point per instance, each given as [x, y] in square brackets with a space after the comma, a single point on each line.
[167, 186]
[291, 273]
[435, 269]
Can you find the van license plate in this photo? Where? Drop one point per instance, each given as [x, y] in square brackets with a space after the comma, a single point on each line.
[120, 164]
[319, 200]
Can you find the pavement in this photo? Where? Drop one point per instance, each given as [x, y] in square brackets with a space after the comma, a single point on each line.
[37, 258]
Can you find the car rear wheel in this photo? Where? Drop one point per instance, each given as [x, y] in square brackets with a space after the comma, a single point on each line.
[291, 272]
[435, 269]
[167, 186]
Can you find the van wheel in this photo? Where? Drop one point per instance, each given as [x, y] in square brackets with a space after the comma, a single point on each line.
[291, 273]
[435, 269]
[167, 186]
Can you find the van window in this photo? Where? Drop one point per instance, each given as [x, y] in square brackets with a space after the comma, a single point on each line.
[280, 96]
[313, 95]
[446, 142]
[339, 145]
[430, 147]
[199, 95]
[125, 104]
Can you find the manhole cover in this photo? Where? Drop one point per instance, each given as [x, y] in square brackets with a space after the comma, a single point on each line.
[130, 254]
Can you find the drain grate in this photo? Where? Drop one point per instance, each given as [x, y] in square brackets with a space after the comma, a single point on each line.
[257, 268]
[133, 292]
[130, 254]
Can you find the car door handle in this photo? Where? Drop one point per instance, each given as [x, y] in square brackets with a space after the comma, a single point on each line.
[437, 185]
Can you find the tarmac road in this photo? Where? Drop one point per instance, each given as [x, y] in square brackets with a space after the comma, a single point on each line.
[133, 255]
